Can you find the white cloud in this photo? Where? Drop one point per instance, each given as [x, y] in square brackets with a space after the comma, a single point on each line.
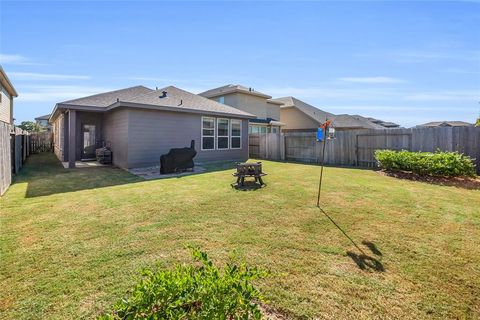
[445, 96]
[54, 93]
[371, 80]
[45, 76]
[12, 58]
[15, 59]
[341, 93]
[396, 108]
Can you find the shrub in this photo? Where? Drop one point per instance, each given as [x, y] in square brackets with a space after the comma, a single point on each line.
[197, 291]
[426, 163]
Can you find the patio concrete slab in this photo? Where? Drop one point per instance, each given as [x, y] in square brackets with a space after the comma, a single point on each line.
[86, 164]
[150, 173]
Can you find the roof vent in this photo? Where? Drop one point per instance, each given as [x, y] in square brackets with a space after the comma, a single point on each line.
[164, 94]
[250, 89]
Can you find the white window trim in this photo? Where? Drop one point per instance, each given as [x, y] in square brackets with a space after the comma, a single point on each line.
[214, 134]
[227, 136]
[232, 136]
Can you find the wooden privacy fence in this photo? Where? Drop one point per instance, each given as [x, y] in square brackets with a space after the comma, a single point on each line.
[357, 147]
[14, 150]
[41, 142]
[267, 146]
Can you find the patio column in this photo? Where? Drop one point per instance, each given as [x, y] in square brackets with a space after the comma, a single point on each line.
[72, 138]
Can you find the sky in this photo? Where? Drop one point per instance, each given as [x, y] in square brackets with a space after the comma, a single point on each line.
[406, 62]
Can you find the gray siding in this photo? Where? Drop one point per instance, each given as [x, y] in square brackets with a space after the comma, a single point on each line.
[153, 133]
[115, 133]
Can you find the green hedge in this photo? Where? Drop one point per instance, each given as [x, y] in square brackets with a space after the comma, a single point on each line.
[451, 164]
[195, 291]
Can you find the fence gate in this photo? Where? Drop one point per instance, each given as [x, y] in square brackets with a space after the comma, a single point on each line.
[254, 146]
[367, 143]
[41, 142]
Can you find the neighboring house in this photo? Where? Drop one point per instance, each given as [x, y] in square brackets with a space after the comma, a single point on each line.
[43, 122]
[259, 104]
[140, 124]
[386, 124]
[7, 93]
[436, 124]
[300, 116]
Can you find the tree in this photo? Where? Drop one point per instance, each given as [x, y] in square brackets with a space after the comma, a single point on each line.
[477, 124]
[29, 126]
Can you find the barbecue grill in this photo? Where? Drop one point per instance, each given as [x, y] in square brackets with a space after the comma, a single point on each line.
[104, 155]
[178, 159]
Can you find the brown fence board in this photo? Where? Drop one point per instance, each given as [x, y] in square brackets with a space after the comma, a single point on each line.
[5, 157]
[357, 147]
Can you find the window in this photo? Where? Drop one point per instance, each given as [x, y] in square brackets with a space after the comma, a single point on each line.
[221, 99]
[222, 133]
[274, 130]
[254, 129]
[236, 134]
[263, 129]
[208, 133]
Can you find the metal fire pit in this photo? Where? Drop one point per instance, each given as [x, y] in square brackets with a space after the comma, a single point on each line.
[249, 169]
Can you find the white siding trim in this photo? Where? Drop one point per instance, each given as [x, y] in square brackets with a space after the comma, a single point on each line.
[231, 136]
[214, 133]
[227, 136]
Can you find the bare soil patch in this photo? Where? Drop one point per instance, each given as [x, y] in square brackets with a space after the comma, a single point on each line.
[459, 182]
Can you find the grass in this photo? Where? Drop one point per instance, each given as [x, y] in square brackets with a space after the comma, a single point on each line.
[72, 242]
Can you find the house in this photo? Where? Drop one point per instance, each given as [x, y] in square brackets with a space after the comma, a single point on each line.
[42, 121]
[140, 124]
[297, 115]
[7, 93]
[438, 124]
[266, 110]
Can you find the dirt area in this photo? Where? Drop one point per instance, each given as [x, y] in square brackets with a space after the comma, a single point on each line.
[154, 172]
[459, 182]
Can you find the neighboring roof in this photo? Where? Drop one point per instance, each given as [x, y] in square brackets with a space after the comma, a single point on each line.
[7, 84]
[446, 124]
[232, 88]
[385, 124]
[269, 121]
[141, 97]
[353, 122]
[316, 114]
[338, 121]
[45, 117]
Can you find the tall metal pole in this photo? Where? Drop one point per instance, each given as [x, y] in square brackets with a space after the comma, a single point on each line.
[321, 170]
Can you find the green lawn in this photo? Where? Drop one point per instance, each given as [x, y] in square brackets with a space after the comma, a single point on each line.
[73, 241]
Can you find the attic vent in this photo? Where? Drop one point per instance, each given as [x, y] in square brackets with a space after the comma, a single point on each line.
[164, 94]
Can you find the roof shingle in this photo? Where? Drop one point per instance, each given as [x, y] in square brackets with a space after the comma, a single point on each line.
[176, 99]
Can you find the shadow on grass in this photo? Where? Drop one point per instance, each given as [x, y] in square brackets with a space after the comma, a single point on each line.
[248, 186]
[362, 260]
[45, 175]
[365, 262]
